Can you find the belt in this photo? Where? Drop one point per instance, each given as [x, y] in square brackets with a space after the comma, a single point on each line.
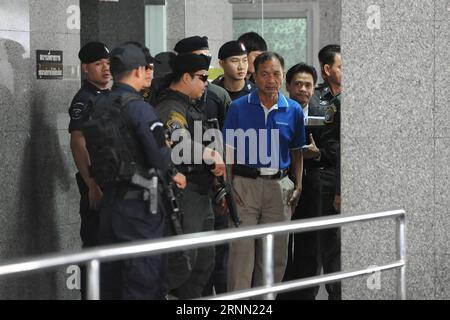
[134, 195]
[279, 175]
[144, 196]
[253, 173]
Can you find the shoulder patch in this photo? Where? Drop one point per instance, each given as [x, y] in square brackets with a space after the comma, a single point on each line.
[176, 121]
[330, 114]
[146, 93]
[76, 111]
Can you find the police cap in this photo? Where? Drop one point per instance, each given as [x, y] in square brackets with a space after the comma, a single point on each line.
[189, 63]
[93, 51]
[126, 57]
[148, 57]
[192, 44]
[231, 48]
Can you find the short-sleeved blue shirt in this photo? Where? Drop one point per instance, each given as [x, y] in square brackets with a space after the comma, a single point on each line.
[79, 105]
[263, 149]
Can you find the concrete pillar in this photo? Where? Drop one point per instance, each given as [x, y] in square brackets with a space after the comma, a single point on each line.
[395, 141]
[38, 206]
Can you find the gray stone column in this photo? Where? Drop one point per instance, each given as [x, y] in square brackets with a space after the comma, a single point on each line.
[113, 23]
[211, 18]
[395, 141]
[38, 206]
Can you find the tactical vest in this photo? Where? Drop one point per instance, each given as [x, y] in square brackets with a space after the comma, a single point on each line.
[110, 140]
[199, 174]
[193, 114]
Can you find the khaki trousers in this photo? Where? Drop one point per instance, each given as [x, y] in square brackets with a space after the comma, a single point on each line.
[265, 201]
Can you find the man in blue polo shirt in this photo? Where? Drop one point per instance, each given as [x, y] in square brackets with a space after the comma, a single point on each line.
[264, 132]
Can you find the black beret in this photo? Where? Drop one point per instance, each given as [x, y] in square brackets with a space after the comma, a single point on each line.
[190, 62]
[191, 44]
[126, 57]
[93, 51]
[231, 48]
[164, 68]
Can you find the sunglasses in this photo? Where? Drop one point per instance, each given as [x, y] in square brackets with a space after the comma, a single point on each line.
[203, 77]
[149, 66]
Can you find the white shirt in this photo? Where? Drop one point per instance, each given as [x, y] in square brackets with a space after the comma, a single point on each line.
[267, 110]
[305, 113]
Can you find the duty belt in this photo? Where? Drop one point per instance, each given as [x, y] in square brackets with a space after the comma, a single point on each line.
[149, 191]
[253, 173]
[134, 195]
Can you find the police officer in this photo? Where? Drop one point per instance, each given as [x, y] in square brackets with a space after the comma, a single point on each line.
[214, 103]
[149, 69]
[322, 93]
[161, 80]
[233, 60]
[330, 239]
[125, 214]
[215, 100]
[94, 57]
[188, 83]
[255, 45]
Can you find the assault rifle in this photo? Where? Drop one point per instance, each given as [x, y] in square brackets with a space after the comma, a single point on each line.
[225, 189]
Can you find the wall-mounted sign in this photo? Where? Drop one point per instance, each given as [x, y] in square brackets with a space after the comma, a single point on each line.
[49, 64]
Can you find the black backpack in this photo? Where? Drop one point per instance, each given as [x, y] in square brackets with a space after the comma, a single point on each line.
[110, 140]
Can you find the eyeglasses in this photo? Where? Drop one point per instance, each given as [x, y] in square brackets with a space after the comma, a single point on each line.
[149, 66]
[203, 77]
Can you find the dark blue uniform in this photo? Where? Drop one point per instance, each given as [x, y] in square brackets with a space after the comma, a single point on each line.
[249, 87]
[89, 217]
[78, 115]
[330, 239]
[127, 218]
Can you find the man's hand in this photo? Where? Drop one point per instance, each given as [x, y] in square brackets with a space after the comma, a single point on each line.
[212, 156]
[295, 196]
[180, 180]
[310, 151]
[219, 170]
[95, 196]
[337, 203]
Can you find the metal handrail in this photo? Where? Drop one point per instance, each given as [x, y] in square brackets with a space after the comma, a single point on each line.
[94, 256]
